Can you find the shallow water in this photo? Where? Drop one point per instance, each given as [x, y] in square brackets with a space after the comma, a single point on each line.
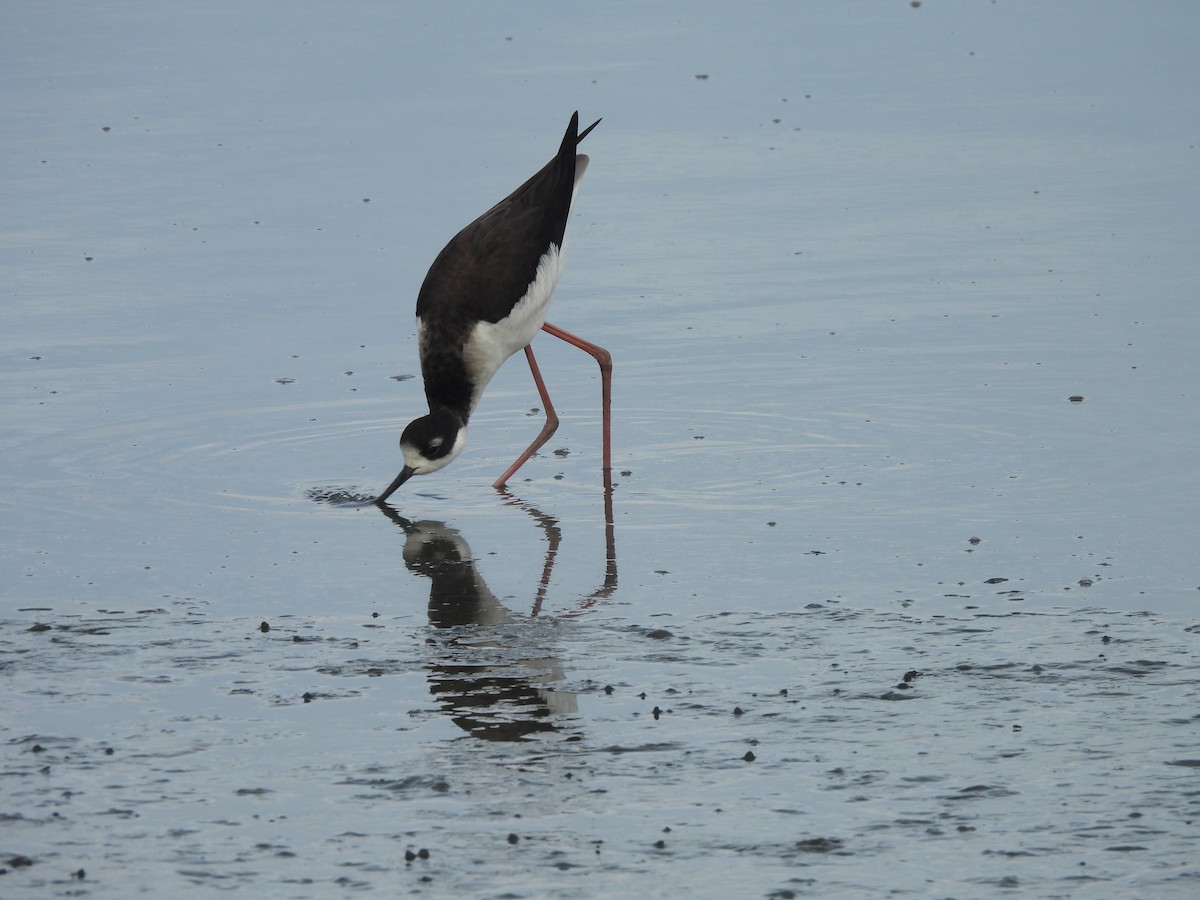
[879, 609]
[826, 750]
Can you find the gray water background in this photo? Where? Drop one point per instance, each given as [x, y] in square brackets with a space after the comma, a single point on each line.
[883, 611]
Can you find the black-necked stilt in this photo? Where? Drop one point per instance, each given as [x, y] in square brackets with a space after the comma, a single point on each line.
[485, 298]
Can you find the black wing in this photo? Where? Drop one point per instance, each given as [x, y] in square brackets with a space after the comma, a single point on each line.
[488, 266]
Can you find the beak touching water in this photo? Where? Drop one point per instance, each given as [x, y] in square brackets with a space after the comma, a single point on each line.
[405, 474]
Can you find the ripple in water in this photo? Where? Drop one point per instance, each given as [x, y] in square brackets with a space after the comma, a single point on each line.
[333, 495]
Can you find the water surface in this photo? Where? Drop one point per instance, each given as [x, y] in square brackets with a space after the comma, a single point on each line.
[879, 608]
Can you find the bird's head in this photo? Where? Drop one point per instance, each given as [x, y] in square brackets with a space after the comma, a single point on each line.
[428, 444]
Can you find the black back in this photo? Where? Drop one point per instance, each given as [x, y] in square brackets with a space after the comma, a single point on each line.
[487, 267]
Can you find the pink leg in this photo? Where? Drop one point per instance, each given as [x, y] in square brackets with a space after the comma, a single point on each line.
[604, 358]
[547, 430]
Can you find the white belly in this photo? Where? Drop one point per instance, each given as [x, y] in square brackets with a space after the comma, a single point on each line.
[491, 343]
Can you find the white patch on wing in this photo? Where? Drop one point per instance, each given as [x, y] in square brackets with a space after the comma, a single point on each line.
[581, 164]
[491, 343]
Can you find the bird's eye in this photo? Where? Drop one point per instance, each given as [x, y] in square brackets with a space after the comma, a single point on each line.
[435, 444]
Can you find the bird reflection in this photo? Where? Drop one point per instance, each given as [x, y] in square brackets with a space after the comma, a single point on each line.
[494, 682]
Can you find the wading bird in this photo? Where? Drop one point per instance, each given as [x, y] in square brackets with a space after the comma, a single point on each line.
[484, 298]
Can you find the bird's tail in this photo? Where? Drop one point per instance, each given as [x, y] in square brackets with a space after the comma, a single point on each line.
[573, 137]
[587, 130]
